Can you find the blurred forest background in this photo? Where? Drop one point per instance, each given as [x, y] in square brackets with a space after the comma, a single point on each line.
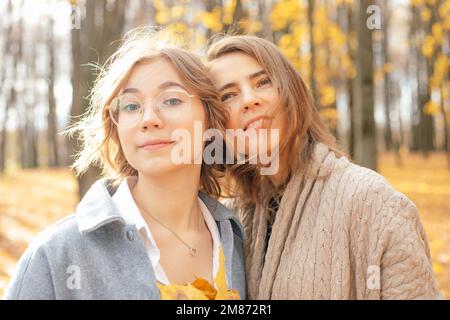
[378, 71]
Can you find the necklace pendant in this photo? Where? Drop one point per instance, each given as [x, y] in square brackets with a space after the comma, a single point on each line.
[193, 251]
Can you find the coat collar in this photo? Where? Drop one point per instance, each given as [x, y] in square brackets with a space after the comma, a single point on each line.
[97, 209]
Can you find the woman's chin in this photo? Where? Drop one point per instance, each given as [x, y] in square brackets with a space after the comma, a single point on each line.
[157, 166]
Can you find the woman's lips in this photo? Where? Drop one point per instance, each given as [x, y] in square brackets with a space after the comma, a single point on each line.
[156, 146]
[256, 123]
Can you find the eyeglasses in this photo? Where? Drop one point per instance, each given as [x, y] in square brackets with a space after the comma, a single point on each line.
[127, 110]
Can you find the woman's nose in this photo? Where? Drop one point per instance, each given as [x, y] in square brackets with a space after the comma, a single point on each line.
[150, 118]
[250, 100]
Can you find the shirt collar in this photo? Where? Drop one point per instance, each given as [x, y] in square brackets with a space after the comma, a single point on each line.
[97, 209]
[123, 200]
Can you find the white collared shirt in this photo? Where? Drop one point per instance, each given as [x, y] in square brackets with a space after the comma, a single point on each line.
[124, 201]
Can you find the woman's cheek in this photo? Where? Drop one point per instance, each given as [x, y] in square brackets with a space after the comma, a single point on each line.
[233, 123]
[127, 146]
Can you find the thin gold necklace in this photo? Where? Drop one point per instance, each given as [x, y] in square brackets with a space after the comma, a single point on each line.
[192, 250]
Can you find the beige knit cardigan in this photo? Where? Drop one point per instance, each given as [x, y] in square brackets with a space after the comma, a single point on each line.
[348, 236]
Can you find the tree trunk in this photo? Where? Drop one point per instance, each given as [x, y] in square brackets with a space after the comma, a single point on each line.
[350, 81]
[29, 132]
[92, 43]
[312, 78]
[52, 128]
[446, 116]
[427, 120]
[264, 13]
[415, 68]
[363, 112]
[3, 73]
[386, 83]
[330, 60]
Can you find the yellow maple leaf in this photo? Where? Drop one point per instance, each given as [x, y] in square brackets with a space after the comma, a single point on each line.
[205, 287]
[180, 292]
[201, 289]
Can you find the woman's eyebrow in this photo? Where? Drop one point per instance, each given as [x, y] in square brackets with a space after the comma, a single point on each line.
[169, 84]
[257, 74]
[162, 86]
[234, 84]
[228, 85]
[130, 90]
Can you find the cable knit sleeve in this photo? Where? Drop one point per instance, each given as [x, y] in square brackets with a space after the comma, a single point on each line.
[406, 269]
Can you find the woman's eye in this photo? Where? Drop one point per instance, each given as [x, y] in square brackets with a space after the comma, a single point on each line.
[264, 82]
[172, 102]
[131, 107]
[227, 96]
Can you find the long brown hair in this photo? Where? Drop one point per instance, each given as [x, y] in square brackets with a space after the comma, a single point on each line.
[304, 130]
[97, 132]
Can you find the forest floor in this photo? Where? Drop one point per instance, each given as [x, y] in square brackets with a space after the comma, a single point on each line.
[30, 200]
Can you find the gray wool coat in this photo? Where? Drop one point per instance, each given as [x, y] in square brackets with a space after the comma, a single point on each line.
[94, 254]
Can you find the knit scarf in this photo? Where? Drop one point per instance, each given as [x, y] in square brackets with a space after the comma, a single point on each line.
[262, 269]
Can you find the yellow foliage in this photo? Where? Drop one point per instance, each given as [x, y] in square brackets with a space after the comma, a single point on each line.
[330, 113]
[162, 17]
[177, 12]
[428, 47]
[437, 268]
[352, 72]
[284, 12]
[431, 108]
[212, 20]
[199, 41]
[180, 292]
[336, 35]
[388, 67]
[440, 69]
[378, 75]
[425, 14]
[319, 35]
[37, 198]
[228, 11]
[285, 40]
[159, 5]
[205, 287]
[347, 2]
[321, 15]
[201, 289]
[254, 27]
[444, 10]
[436, 31]
[177, 28]
[328, 95]
[330, 116]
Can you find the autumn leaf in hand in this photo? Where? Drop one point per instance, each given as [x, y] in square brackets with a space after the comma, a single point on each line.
[221, 283]
[180, 292]
[205, 287]
[201, 289]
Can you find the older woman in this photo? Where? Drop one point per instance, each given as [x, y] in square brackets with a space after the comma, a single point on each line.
[321, 227]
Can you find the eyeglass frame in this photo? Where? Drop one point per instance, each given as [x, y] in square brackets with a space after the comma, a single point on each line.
[190, 96]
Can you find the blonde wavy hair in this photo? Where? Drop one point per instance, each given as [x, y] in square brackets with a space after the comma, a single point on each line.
[97, 133]
[302, 132]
